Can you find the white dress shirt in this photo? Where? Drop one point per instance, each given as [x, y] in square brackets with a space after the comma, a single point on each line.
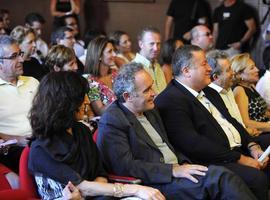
[228, 98]
[231, 132]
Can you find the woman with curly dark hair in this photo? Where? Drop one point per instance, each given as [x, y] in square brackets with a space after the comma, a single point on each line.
[62, 149]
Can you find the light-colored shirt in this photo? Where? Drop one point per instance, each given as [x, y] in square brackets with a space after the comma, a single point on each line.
[229, 100]
[168, 155]
[230, 131]
[15, 104]
[263, 87]
[155, 71]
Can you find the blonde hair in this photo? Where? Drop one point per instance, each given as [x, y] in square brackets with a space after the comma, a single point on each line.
[59, 55]
[238, 65]
[20, 32]
[239, 62]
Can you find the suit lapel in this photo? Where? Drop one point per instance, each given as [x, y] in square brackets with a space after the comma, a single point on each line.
[203, 109]
[139, 130]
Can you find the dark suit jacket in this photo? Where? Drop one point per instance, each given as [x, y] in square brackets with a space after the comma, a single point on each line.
[192, 129]
[126, 148]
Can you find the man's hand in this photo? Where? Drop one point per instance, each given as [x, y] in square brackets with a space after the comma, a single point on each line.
[70, 192]
[248, 161]
[256, 152]
[187, 170]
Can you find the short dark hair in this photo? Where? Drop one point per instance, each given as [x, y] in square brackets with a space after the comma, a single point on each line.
[115, 36]
[266, 57]
[183, 57]
[34, 17]
[147, 30]
[59, 34]
[59, 96]
[212, 59]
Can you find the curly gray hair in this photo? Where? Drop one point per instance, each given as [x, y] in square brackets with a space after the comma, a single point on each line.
[125, 80]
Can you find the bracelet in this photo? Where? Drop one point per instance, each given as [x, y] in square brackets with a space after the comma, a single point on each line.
[118, 190]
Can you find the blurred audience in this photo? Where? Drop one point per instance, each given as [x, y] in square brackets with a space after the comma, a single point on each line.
[26, 38]
[167, 51]
[201, 36]
[61, 8]
[64, 36]
[183, 15]
[36, 22]
[71, 22]
[123, 46]
[233, 26]
[5, 15]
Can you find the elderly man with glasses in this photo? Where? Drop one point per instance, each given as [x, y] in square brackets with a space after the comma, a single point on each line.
[16, 94]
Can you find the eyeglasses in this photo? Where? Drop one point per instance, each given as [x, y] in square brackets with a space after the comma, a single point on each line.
[207, 34]
[13, 56]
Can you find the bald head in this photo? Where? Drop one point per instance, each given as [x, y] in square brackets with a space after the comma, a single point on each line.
[201, 36]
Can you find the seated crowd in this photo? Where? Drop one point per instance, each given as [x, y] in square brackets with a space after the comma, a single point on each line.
[188, 120]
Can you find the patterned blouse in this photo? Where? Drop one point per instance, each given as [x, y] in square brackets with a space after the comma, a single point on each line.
[100, 91]
[256, 105]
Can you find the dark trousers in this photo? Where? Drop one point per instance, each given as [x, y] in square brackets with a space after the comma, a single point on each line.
[256, 180]
[12, 159]
[219, 183]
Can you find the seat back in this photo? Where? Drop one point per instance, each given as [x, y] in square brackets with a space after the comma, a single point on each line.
[27, 182]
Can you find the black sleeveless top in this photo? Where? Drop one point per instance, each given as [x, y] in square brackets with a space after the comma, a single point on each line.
[256, 105]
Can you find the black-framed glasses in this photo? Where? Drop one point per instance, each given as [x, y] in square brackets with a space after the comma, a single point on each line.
[14, 56]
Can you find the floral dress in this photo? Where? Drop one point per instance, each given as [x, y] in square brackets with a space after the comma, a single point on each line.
[100, 91]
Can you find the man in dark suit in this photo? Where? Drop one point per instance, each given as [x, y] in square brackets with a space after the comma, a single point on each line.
[199, 125]
[133, 142]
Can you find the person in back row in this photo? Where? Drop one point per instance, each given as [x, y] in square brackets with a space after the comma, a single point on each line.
[26, 38]
[133, 142]
[150, 42]
[64, 36]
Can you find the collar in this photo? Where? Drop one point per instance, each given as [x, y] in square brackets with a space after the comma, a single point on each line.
[218, 88]
[193, 92]
[19, 82]
[147, 63]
